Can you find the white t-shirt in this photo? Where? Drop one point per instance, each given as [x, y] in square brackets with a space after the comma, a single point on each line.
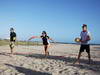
[84, 36]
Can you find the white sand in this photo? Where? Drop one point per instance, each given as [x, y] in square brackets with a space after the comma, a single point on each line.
[30, 60]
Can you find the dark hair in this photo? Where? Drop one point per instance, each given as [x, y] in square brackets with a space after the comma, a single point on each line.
[11, 28]
[44, 32]
[84, 25]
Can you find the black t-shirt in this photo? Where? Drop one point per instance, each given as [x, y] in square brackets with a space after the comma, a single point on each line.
[45, 40]
[12, 36]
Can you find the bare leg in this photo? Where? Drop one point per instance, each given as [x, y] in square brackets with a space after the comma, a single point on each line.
[46, 50]
[11, 48]
[11, 51]
[78, 59]
[89, 57]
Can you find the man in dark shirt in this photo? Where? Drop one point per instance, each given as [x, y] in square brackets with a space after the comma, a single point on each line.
[12, 39]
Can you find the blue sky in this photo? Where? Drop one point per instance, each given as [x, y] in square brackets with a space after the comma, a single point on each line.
[62, 19]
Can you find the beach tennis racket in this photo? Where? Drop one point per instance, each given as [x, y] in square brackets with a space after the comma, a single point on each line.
[33, 37]
[78, 40]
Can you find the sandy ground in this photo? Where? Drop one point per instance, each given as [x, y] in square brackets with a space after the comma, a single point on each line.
[30, 60]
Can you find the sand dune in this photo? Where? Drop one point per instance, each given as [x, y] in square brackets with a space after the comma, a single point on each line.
[30, 60]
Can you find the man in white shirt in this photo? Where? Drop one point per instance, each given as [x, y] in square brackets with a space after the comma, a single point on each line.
[85, 38]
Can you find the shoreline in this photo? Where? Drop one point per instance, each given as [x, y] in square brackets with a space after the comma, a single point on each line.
[74, 43]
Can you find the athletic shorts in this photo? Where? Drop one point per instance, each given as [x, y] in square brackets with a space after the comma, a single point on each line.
[45, 43]
[85, 47]
[12, 44]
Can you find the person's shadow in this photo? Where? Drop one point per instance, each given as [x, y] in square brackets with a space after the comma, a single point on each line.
[68, 59]
[27, 71]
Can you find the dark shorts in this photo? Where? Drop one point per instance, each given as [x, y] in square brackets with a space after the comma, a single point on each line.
[85, 47]
[45, 43]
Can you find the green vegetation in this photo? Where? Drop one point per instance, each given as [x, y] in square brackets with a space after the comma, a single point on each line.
[6, 42]
[28, 43]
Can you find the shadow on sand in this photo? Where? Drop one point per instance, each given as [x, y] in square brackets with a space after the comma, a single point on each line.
[94, 66]
[27, 71]
[4, 53]
[62, 58]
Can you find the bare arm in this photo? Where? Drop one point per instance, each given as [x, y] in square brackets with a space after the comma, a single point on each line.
[51, 39]
[33, 37]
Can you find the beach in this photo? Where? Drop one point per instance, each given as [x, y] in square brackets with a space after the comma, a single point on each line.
[30, 60]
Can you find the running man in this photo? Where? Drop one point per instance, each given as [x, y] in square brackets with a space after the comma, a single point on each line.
[45, 38]
[12, 39]
[85, 38]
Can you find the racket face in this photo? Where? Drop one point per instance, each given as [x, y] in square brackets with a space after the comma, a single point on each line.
[77, 40]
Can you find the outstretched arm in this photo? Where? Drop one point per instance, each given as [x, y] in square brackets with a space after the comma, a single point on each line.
[33, 37]
[51, 39]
